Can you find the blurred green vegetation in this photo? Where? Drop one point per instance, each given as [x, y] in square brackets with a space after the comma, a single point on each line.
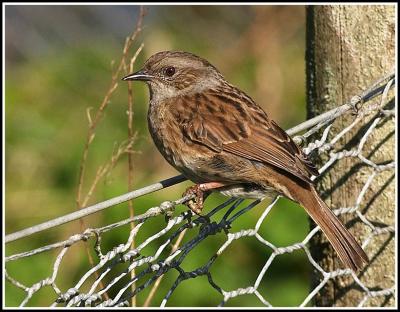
[258, 48]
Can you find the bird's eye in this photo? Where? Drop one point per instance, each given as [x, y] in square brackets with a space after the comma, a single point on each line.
[169, 71]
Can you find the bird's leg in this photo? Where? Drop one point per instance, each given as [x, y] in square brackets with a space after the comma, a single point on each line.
[201, 191]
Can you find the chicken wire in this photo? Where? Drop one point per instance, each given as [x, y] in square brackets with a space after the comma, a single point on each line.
[149, 267]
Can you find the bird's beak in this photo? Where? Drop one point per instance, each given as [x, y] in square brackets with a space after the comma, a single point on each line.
[139, 75]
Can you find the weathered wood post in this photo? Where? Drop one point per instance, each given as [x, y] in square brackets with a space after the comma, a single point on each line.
[348, 48]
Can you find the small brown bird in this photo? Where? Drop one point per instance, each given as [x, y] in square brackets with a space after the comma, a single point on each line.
[218, 137]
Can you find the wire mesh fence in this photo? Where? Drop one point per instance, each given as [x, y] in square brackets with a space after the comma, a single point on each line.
[114, 267]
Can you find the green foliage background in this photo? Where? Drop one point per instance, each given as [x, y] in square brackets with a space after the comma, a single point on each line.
[58, 64]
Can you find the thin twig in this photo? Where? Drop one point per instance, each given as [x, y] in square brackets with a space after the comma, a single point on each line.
[93, 123]
[131, 135]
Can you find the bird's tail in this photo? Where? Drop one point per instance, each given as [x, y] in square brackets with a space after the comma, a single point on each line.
[349, 251]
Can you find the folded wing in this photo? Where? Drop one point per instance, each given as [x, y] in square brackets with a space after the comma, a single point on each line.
[242, 128]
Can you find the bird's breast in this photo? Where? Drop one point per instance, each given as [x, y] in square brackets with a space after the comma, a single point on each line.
[178, 150]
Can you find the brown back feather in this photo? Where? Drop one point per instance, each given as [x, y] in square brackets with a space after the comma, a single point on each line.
[242, 128]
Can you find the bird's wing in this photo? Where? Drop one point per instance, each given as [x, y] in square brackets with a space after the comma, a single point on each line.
[245, 130]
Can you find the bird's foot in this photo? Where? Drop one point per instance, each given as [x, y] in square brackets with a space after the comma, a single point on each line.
[200, 191]
[196, 204]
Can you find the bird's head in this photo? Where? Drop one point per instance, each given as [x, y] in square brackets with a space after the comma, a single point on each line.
[173, 73]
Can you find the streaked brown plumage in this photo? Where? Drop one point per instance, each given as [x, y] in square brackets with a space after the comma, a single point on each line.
[218, 137]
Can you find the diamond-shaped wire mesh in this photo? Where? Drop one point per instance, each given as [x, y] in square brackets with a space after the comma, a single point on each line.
[150, 267]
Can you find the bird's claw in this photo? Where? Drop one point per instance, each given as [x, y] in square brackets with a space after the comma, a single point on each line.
[196, 204]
